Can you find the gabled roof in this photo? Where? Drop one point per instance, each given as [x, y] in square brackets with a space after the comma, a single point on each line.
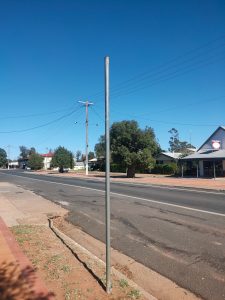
[50, 154]
[220, 127]
[174, 155]
[218, 154]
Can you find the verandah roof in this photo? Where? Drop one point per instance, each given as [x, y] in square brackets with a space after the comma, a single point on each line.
[206, 155]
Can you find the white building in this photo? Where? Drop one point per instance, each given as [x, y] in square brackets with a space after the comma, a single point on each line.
[168, 157]
[210, 157]
[47, 160]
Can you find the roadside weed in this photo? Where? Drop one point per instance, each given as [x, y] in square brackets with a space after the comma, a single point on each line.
[123, 283]
[66, 268]
[134, 294]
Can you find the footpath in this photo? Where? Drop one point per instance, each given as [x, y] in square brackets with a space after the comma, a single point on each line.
[32, 258]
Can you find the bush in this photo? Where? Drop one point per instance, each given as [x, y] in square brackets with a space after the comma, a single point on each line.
[117, 168]
[166, 169]
[35, 161]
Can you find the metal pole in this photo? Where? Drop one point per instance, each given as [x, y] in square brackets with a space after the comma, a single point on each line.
[86, 103]
[182, 171]
[197, 169]
[107, 178]
[86, 137]
[8, 155]
[214, 170]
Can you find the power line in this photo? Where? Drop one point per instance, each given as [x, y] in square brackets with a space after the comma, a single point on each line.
[146, 74]
[35, 115]
[42, 125]
[61, 126]
[165, 77]
[164, 69]
[97, 114]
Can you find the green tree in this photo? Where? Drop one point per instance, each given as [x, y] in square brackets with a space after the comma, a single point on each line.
[62, 158]
[32, 150]
[91, 155]
[176, 145]
[78, 155]
[131, 147]
[3, 157]
[100, 147]
[24, 152]
[35, 161]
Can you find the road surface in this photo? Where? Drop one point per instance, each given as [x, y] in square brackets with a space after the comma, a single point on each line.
[177, 232]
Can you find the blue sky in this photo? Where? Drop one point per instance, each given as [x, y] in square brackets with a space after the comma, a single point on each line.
[167, 69]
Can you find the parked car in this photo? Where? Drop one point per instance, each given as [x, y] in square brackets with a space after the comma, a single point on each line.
[63, 170]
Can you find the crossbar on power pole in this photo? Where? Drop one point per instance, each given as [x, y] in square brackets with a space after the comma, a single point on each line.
[86, 104]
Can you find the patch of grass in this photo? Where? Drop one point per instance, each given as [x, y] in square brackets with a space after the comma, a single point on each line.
[123, 283]
[134, 294]
[23, 239]
[35, 261]
[66, 268]
[53, 274]
[54, 259]
[71, 294]
[19, 230]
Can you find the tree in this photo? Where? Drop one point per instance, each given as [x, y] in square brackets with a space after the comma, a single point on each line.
[35, 161]
[26, 152]
[62, 158]
[78, 155]
[91, 155]
[131, 147]
[176, 145]
[32, 150]
[100, 147]
[3, 157]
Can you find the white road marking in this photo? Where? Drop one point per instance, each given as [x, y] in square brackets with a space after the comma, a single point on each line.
[166, 187]
[132, 197]
[64, 203]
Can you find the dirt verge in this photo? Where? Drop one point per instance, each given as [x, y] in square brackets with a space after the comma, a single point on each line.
[69, 275]
[151, 282]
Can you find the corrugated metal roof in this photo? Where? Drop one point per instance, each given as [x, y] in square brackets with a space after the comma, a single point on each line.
[174, 155]
[220, 154]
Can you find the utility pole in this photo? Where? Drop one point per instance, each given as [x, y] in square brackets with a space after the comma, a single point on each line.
[107, 179]
[86, 104]
[8, 154]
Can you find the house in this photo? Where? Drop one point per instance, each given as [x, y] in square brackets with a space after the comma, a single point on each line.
[79, 165]
[168, 157]
[47, 160]
[210, 157]
[13, 164]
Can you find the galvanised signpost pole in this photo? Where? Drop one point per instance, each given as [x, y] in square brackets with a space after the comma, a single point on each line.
[107, 179]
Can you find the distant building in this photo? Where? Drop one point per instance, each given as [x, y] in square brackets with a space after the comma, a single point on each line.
[79, 165]
[168, 157]
[210, 157]
[47, 160]
[14, 164]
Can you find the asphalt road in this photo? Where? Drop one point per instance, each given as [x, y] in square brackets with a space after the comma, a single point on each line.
[177, 232]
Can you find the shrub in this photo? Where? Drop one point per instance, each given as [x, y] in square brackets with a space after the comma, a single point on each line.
[167, 169]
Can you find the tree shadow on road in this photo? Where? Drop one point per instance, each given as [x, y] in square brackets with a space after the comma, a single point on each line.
[17, 283]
